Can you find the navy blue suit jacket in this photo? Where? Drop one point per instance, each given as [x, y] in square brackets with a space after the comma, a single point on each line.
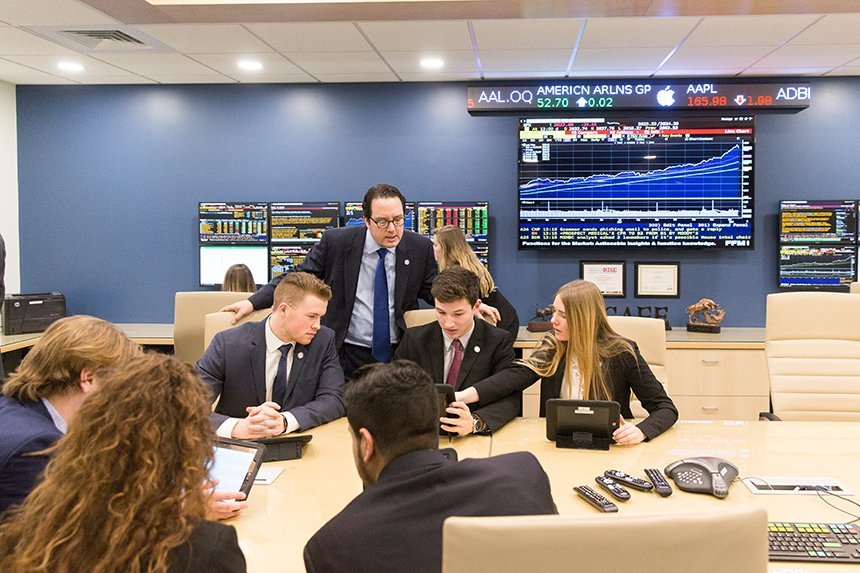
[336, 259]
[25, 427]
[396, 524]
[234, 367]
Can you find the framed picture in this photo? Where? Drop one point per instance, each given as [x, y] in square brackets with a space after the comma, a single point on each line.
[607, 275]
[657, 280]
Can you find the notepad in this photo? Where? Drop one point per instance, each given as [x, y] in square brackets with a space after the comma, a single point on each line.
[267, 475]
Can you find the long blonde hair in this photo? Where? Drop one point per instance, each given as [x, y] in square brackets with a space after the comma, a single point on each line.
[69, 345]
[454, 250]
[125, 484]
[239, 278]
[591, 341]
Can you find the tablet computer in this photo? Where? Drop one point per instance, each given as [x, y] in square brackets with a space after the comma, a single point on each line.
[581, 421]
[280, 448]
[235, 464]
[444, 396]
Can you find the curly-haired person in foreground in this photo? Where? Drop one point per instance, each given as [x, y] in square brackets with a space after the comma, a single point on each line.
[123, 489]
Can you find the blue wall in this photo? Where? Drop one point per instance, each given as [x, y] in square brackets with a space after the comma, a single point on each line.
[110, 177]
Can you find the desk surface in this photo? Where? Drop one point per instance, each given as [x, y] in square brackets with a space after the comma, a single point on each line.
[283, 516]
[146, 334]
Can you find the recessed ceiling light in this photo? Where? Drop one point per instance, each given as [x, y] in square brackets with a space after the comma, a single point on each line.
[250, 65]
[650, 157]
[70, 66]
[432, 63]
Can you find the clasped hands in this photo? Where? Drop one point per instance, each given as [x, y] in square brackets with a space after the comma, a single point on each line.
[262, 421]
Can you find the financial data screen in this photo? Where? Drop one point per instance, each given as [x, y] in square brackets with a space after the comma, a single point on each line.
[303, 222]
[233, 223]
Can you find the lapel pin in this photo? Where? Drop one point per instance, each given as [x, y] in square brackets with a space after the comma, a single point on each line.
[406, 262]
[301, 355]
[477, 349]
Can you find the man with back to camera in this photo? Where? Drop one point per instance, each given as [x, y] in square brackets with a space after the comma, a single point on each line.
[395, 524]
[361, 264]
[278, 375]
[460, 350]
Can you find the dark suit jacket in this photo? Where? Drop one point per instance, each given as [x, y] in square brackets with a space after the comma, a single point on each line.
[336, 259]
[212, 548]
[25, 428]
[509, 320]
[234, 367]
[490, 350]
[625, 372]
[396, 524]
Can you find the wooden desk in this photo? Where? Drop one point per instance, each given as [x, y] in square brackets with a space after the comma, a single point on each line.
[283, 516]
[145, 334]
[711, 376]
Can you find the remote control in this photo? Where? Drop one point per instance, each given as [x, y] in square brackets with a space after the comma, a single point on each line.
[634, 482]
[616, 490]
[661, 486]
[595, 499]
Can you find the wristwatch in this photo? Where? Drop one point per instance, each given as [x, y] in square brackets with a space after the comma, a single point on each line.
[284, 418]
[478, 425]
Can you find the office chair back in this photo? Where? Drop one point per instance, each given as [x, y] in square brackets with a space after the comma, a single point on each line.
[419, 317]
[649, 334]
[854, 288]
[189, 308]
[730, 541]
[812, 345]
[215, 322]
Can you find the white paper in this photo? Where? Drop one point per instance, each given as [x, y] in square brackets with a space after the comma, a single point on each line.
[267, 475]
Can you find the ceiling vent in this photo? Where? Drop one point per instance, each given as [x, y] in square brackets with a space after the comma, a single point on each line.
[101, 39]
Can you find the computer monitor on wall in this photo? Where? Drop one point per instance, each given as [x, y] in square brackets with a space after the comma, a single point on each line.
[233, 223]
[216, 259]
[817, 267]
[303, 222]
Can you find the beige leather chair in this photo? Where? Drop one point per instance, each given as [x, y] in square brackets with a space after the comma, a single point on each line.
[812, 345]
[215, 322]
[419, 317]
[189, 308]
[855, 288]
[649, 334]
[733, 540]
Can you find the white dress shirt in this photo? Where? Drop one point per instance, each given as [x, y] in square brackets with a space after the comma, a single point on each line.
[360, 331]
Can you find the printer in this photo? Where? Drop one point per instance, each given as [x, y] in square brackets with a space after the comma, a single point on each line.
[23, 313]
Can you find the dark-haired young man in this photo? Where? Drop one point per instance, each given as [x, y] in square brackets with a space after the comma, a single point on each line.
[376, 273]
[460, 350]
[396, 523]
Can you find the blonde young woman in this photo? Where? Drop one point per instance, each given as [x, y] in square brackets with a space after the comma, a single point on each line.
[451, 249]
[238, 278]
[123, 490]
[583, 358]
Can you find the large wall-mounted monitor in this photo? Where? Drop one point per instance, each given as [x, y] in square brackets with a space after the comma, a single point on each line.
[817, 267]
[233, 223]
[353, 215]
[285, 258]
[216, 259]
[302, 222]
[471, 216]
[636, 182]
[818, 221]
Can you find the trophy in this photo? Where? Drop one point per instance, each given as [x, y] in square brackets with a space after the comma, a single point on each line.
[705, 316]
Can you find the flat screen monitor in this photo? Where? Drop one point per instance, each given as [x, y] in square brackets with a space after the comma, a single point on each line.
[471, 216]
[636, 182]
[216, 259]
[353, 215]
[303, 222]
[285, 258]
[818, 221]
[482, 251]
[817, 267]
[233, 223]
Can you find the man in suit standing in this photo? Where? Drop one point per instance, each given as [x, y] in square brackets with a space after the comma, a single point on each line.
[460, 350]
[376, 273]
[278, 375]
[395, 524]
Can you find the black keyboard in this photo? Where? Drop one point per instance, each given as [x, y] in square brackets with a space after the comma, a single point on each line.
[832, 542]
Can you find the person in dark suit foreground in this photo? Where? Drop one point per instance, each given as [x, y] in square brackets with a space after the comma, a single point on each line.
[396, 523]
[278, 375]
[460, 350]
[583, 358]
[123, 490]
[45, 393]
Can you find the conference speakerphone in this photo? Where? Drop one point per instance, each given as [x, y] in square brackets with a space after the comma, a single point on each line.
[830, 542]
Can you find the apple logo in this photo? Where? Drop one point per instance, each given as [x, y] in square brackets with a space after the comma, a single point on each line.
[665, 97]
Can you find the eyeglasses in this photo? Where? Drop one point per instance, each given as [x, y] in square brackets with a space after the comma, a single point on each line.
[384, 223]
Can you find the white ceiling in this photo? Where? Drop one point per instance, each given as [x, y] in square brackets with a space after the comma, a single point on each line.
[363, 42]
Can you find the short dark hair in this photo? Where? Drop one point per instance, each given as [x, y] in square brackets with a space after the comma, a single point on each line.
[381, 191]
[455, 283]
[396, 403]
